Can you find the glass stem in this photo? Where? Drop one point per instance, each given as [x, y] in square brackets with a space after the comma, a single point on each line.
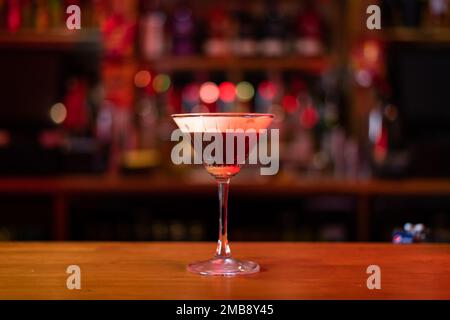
[223, 249]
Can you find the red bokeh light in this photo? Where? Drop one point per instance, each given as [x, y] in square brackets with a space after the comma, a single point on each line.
[142, 79]
[209, 92]
[290, 104]
[191, 92]
[309, 117]
[267, 90]
[227, 92]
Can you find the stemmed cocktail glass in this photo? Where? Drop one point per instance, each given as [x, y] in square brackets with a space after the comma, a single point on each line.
[223, 264]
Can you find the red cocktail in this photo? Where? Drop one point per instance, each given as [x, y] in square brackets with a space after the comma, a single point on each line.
[225, 162]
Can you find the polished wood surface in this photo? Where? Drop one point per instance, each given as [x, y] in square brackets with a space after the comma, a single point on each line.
[289, 271]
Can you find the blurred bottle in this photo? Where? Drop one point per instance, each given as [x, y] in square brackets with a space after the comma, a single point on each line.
[245, 44]
[378, 135]
[147, 114]
[339, 152]
[42, 16]
[14, 16]
[75, 101]
[338, 155]
[183, 30]
[274, 30]
[104, 133]
[86, 9]
[309, 32]
[300, 141]
[153, 22]
[56, 13]
[220, 30]
[439, 13]
[3, 15]
[27, 14]
[119, 30]
[100, 13]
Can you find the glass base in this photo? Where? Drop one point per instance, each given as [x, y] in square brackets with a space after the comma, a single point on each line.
[219, 266]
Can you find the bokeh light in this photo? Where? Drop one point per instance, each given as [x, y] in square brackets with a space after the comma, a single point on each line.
[161, 83]
[209, 92]
[5, 138]
[58, 113]
[267, 90]
[227, 92]
[290, 103]
[371, 51]
[309, 117]
[245, 91]
[142, 79]
[363, 78]
[191, 93]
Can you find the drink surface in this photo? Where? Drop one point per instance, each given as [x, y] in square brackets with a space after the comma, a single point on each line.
[221, 122]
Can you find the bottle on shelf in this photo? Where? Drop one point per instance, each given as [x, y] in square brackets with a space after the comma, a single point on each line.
[14, 16]
[55, 14]
[309, 32]
[27, 14]
[119, 30]
[273, 42]
[42, 17]
[183, 30]
[439, 13]
[152, 26]
[220, 32]
[245, 42]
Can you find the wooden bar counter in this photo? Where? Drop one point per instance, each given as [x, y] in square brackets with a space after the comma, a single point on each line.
[289, 271]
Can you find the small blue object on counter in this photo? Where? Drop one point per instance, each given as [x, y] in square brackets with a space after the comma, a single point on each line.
[410, 234]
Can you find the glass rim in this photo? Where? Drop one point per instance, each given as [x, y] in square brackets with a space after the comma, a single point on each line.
[224, 114]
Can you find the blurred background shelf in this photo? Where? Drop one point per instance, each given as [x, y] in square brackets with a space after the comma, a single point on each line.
[414, 35]
[316, 65]
[50, 39]
[355, 196]
[97, 185]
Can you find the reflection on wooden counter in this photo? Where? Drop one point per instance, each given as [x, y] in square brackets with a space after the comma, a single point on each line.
[289, 271]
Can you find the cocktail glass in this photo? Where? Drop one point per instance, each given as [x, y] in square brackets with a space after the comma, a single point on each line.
[223, 264]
